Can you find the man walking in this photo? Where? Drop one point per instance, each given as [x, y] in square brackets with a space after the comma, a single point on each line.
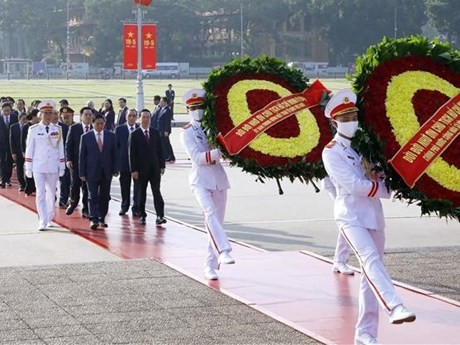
[209, 183]
[359, 215]
[72, 148]
[122, 134]
[16, 151]
[7, 118]
[147, 165]
[98, 162]
[45, 162]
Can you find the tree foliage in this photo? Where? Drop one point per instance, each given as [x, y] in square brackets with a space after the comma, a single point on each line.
[36, 29]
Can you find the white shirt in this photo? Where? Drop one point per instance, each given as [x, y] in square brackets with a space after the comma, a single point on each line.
[97, 134]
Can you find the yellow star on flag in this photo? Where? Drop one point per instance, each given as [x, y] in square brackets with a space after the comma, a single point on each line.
[149, 35]
[130, 34]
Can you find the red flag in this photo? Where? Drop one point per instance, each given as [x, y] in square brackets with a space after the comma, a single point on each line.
[149, 46]
[130, 46]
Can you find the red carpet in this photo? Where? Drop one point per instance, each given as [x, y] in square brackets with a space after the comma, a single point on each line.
[296, 288]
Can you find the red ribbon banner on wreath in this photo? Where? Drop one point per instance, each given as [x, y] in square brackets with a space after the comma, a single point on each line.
[432, 139]
[148, 45]
[274, 112]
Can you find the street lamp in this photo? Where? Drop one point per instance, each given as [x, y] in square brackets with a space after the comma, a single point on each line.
[68, 43]
[241, 30]
[139, 85]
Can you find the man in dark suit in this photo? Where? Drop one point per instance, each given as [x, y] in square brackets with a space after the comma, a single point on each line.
[16, 152]
[122, 112]
[7, 118]
[32, 119]
[98, 162]
[65, 121]
[122, 133]
[147, 165]
[170, 96]
[164, 128]
[72, 148]
[156, 111]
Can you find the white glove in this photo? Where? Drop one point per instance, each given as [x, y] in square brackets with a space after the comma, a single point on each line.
[216, 155]
[61, 173]
[29, 173]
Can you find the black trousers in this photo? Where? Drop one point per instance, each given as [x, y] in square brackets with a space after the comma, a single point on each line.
[99, 197]
[6, 164]
[75, 186]
[168, 152]
[20, 171]
[158, 202]
[125, 186]
[65, 187]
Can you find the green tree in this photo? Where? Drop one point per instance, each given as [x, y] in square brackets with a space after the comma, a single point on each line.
[445, 17]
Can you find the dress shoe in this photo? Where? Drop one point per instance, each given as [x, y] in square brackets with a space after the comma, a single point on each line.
[365, 339]
[136, 213]
[63, 205]
[49, 225]
[210, 274]
[85, 214]
[41, 227]
[69, 210]
[142, 221]
[103, 224]
[160, 220]
[225, 258]
[93, 225]
[22, 189]
[3, 185]
[400, 314]
[122, 213]
[8, 184]
[342, 267]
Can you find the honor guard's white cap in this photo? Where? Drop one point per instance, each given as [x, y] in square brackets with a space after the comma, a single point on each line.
[194, 97]
[343, 102]
[46, 104]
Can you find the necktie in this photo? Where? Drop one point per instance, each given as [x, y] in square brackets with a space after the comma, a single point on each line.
[146, 133]
[7, 121]
[47, 129]
[131, 128]
[86, 128]
[99, 141]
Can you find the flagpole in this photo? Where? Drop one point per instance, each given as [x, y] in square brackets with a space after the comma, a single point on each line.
[139, 85]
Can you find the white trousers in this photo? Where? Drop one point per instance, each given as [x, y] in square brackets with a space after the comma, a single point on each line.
[45, 199]
[213, 204]
[342, 249]
[376, 285]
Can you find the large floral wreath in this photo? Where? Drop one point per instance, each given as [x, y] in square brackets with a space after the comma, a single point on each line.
[290, 149]
[401, 84]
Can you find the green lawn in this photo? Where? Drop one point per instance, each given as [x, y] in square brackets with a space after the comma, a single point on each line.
[79, 91]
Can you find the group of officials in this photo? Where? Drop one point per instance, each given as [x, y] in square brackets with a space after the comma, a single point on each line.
[135, 151]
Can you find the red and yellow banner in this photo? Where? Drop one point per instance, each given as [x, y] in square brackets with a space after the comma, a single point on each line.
[148, 46]
[130, 46]
[274, 112]
[432, 139]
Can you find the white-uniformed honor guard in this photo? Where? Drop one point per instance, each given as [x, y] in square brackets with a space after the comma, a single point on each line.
[359, 215]
[44, 160]
[209, 183]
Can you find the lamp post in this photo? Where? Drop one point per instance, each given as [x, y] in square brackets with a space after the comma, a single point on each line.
[241, 30]
[68, 43]
[139, 84]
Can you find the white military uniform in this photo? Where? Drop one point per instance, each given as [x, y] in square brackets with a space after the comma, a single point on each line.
[342, 249]
[359, 215]
[209, 183]
[44, 158]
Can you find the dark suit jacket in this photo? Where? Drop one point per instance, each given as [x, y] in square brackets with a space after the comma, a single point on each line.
[170, 95]
[164, 120]
[122, 137]
[25, 130]
[72, 145]
[65, 131]
[5, 131]
[154, 118]
[109, 119]
[15, 139]
[146, 157]
[122, 116]
[92, 162]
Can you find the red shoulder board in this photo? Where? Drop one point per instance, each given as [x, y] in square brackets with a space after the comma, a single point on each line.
[188, 125]
[331, 144]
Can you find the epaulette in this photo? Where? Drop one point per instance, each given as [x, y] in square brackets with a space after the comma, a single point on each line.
[188, 125]
[331, 144]
[33, 126]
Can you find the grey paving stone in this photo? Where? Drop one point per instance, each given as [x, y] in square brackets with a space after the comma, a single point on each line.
[62, 331]
[78, 340]
[11, 324]
[17, 335]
